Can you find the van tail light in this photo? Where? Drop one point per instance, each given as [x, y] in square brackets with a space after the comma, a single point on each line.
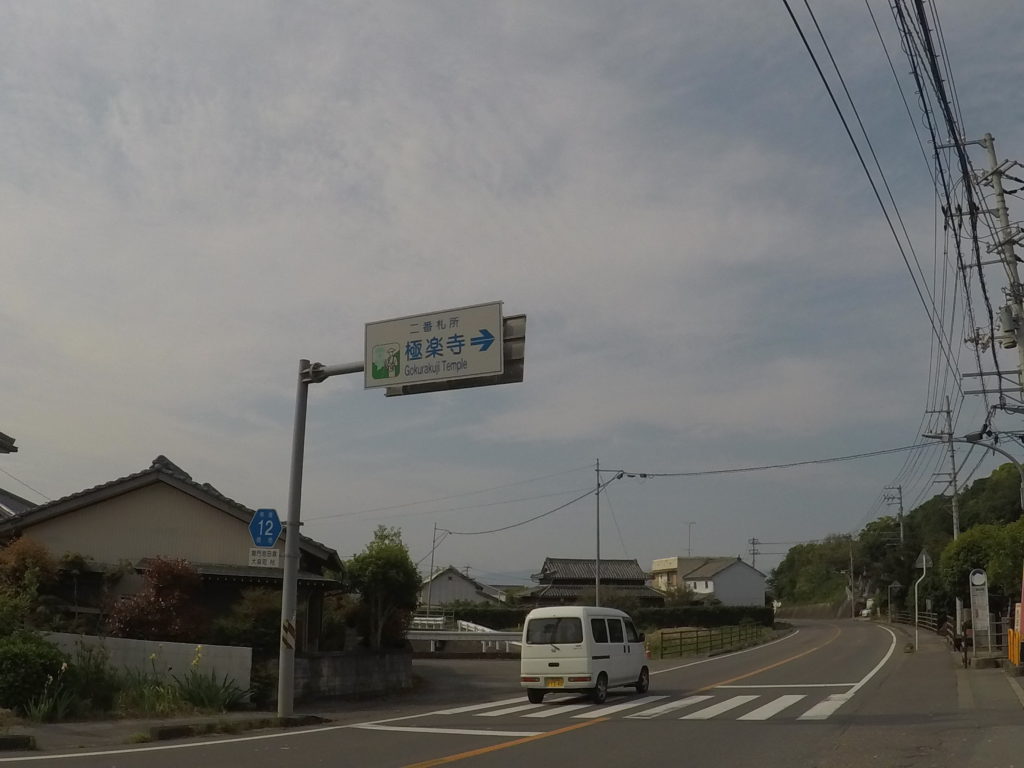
[532, 679]
[580, 679]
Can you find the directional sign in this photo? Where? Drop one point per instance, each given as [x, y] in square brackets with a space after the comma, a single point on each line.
[435, 347]
[265, 527]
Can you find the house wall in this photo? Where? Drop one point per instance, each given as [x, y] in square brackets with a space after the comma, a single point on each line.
[739, 584]
[448, 588]
[154, 521]
[702, 586]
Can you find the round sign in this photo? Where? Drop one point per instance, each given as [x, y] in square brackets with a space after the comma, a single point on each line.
[978, 578]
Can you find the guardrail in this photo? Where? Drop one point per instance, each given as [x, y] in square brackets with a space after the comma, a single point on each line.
[925, 619]
[696, 640]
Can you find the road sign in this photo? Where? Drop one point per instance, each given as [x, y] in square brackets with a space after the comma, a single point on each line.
[924, 560]
[436, 347]
[513, 329]
[265, 527]
[262, 557]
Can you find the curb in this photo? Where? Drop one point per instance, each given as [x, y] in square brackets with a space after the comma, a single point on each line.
[21, 742]
[205, 727]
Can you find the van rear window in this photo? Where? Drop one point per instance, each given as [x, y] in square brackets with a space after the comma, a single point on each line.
[560, 629]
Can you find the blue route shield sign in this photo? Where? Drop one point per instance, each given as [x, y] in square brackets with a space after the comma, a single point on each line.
[265, 527]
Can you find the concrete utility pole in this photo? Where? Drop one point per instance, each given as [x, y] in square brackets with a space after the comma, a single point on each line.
[890, 499]
[1013, 320]
[947, 436]
[689, 537]
[754, 551]
[597, 527]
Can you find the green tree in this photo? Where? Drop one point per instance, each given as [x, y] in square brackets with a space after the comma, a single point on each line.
[388, 584]
[168, 608]
[254, 620]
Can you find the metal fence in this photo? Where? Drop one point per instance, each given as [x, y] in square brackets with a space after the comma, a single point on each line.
[695, 640]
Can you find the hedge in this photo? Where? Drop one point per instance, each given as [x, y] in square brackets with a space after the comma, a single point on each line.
[507, 618]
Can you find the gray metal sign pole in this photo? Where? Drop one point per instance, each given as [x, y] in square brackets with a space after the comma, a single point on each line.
[308, 374]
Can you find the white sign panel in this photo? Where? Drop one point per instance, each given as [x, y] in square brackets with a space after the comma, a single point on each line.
[979, 600]
[435, 347]
[264, 558]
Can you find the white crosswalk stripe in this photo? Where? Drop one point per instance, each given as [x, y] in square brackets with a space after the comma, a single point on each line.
[747, 707]
[603, 711]
[716, 709]
[561, 709]
[773, 707]
[672, 706]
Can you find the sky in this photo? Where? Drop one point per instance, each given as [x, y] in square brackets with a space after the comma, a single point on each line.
[195, 196]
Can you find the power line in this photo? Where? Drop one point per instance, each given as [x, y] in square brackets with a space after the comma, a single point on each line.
[936, 329]
[787, 465]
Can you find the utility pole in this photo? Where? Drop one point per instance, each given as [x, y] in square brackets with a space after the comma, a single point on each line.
[689, 537]
[597, 528]
[1011, 316]
[754, 551]
[853, 597]
[890, 499]
[430, 578]
[948, 437]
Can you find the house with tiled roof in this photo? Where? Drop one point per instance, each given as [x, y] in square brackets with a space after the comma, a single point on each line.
[161, 512]
[450, 585]
[567, 581]
[11, 504]
[728, 580]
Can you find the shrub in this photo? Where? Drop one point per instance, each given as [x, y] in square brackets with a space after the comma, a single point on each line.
[147, 694]
[26, 662]
[15, 609]
[54, 702]
[206, 692]
[166, 609]
[24, 562]
[94, 684]
[255, 620]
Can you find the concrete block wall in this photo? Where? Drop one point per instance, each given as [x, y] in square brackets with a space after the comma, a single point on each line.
[164, 658]
[346, 673]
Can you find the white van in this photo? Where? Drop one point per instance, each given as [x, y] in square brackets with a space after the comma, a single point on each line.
[581, 648]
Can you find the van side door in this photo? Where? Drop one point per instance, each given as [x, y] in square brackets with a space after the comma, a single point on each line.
[619, 651]
[635, 653]
[600, 650]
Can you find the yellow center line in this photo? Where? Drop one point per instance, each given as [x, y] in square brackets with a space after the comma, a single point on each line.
[504, 745]
[770, 666]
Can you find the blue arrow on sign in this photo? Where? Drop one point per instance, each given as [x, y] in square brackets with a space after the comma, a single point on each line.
[484, 340]
[265, 527]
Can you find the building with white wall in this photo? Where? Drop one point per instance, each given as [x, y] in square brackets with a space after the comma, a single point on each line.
[728, 579]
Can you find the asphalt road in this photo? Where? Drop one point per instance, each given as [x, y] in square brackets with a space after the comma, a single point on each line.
[833, 694]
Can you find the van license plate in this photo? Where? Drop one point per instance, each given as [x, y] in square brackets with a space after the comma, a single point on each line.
[555, 682]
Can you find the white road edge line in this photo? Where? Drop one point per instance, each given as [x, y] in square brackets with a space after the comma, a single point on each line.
[824, 709]
[726, 655]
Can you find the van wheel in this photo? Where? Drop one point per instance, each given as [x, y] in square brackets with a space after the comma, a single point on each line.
[643, 683]
[599, 693]
[535, 695]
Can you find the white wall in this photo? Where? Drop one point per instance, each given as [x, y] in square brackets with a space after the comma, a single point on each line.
[739, 584]
[448, 588]
[164, 658]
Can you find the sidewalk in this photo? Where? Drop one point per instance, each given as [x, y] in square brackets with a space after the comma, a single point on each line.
[100, 734]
